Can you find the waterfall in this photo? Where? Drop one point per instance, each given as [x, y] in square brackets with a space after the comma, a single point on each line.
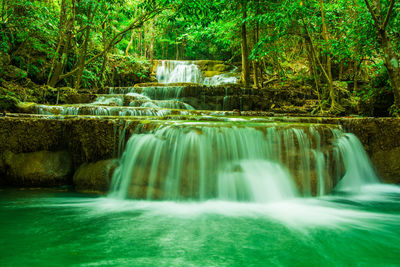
[111, 100]
[256, 181]
[143, 101]
[359, 170]
[172, 71]
[190, 161]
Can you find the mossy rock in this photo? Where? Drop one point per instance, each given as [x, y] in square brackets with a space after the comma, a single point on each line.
[26, 107]
[8, 103]
[221, 67]
[211, 73]
[43, 168]
[94, 177]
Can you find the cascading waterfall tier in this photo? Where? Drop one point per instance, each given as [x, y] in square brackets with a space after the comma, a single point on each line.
[235, 163]
[130, 101]
[175, 71]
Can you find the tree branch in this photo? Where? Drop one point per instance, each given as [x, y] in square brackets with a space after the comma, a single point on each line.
[388, 15]
[372, 13]
[137, 23]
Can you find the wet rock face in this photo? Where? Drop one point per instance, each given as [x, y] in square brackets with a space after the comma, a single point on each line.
[94, 177]
[42, 168]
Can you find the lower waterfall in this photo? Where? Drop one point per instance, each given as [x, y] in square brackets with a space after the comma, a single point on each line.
[252, 164]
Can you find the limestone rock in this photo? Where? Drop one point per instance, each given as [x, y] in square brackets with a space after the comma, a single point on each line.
[388, 164]
[94, 177]
[43, 168]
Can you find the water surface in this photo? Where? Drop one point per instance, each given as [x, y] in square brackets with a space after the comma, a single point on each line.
[45, 228]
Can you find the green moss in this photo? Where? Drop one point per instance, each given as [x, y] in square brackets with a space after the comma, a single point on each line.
[8, 103]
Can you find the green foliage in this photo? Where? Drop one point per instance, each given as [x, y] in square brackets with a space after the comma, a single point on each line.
[278, 34]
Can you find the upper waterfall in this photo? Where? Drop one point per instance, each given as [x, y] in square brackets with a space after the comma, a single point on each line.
[178, 72]
[175, 71]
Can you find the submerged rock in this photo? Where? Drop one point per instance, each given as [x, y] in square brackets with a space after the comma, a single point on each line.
[43, 168]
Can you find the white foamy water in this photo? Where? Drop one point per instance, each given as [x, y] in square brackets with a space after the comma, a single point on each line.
[172, 71]
[190, 161]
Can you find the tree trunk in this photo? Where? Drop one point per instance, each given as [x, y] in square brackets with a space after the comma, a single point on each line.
[176, 45]
[393, 68]
[130, 43]
[341, 67]
[328, 58]
[82, 59]
[140, 46]
[389, 54]
[245, 52]
[355, 78]
[64, 44]
[254, 62]
[83, 52]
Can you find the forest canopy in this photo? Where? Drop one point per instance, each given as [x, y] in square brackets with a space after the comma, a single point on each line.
[81, 43]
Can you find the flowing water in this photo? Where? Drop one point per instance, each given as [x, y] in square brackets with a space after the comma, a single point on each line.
[173, 71]
[221, 192]
[67, 229]
[262, 163]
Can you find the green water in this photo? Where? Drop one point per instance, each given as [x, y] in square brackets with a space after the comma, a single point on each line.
[40, 228]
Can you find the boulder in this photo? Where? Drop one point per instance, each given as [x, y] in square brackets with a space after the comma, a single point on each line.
[94, 177]
[43, 168]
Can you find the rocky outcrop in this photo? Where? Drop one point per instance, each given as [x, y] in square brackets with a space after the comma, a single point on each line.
[43, 168]
[86, 139]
